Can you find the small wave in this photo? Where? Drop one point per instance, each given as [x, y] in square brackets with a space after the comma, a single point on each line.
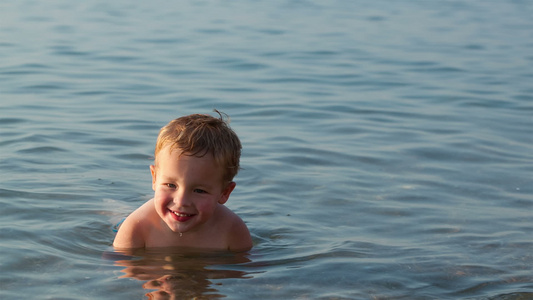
[42, 149]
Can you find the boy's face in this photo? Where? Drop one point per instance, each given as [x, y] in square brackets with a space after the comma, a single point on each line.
[188, 190]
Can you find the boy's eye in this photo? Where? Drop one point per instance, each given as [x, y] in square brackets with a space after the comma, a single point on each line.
[170, 185]
[199, 191]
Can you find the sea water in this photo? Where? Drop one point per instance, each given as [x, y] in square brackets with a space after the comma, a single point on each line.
[388, 145]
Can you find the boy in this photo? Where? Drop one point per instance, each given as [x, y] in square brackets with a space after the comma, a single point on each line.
[196, 158]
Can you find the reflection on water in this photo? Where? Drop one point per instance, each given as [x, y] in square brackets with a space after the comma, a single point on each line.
[170, 273]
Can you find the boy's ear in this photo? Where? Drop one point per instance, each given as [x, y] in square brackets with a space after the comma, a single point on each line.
[152, 170]
[226, 192]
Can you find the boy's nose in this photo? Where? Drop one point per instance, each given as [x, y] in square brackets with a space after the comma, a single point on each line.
[181, 199]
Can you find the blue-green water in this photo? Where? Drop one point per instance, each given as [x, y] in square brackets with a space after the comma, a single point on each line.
[388, 145]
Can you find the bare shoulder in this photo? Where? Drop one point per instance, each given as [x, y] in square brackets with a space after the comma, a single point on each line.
[239, 239]
[132, 232]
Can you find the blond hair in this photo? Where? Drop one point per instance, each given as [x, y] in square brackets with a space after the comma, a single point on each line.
[198, 135]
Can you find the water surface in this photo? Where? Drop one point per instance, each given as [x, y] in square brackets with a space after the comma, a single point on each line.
[387, 146]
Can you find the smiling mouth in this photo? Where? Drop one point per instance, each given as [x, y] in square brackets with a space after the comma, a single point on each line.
[181, 217]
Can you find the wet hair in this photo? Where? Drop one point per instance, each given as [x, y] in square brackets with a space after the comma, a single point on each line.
[198, 135]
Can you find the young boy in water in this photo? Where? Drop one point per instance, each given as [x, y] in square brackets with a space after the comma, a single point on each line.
[196, 158]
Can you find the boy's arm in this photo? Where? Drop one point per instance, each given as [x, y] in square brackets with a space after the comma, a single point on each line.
[240, 239]
[129, 234]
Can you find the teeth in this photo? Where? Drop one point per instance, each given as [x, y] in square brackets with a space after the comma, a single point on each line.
[181, 215]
